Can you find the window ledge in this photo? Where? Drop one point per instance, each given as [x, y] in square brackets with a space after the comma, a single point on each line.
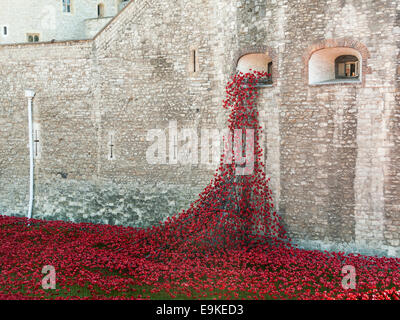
[260, 85]
[336, 81]
[264, 85]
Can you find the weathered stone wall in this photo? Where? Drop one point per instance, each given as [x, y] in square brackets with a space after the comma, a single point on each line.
[331, 141]
[61, 76]
[331, 149]
[47, 19]
[392, 168]
[334, 145]
[142, 83]
[94, 25]
[132, 78]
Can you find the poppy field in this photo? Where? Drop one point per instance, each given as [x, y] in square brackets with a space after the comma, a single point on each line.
[229, 244]
[102, 262]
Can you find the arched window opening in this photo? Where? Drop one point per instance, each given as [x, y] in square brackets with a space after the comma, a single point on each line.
[32, 37]
[334, 65]
[67, 6]
[347, 67]
[100, 10]
[256, 62]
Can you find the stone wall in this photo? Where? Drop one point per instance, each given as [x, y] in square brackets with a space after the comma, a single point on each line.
[60, 74]
[94, 25]
[47, 19]
[331, 150]
[334, 138]
[132, 78]
[392, 168]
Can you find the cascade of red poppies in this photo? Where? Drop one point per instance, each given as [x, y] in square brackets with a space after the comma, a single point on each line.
[229, 244]
[235, 210]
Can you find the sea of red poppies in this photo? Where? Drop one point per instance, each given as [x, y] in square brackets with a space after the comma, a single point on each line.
[229, 244]
[80, 254]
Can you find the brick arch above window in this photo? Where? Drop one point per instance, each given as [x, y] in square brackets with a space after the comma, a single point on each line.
[270, 52]
[338, 43]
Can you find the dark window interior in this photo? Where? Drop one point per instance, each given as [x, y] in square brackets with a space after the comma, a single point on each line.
[347, 67]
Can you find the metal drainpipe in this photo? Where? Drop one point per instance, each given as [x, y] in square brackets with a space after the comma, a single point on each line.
[30, 94]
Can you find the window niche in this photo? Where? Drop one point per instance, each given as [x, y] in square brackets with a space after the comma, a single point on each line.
[111, 146]
[100, 10]
[193, 61]
[256, 62]
[37, 141]
[32, 37]
[335, 65]
[67, 6]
